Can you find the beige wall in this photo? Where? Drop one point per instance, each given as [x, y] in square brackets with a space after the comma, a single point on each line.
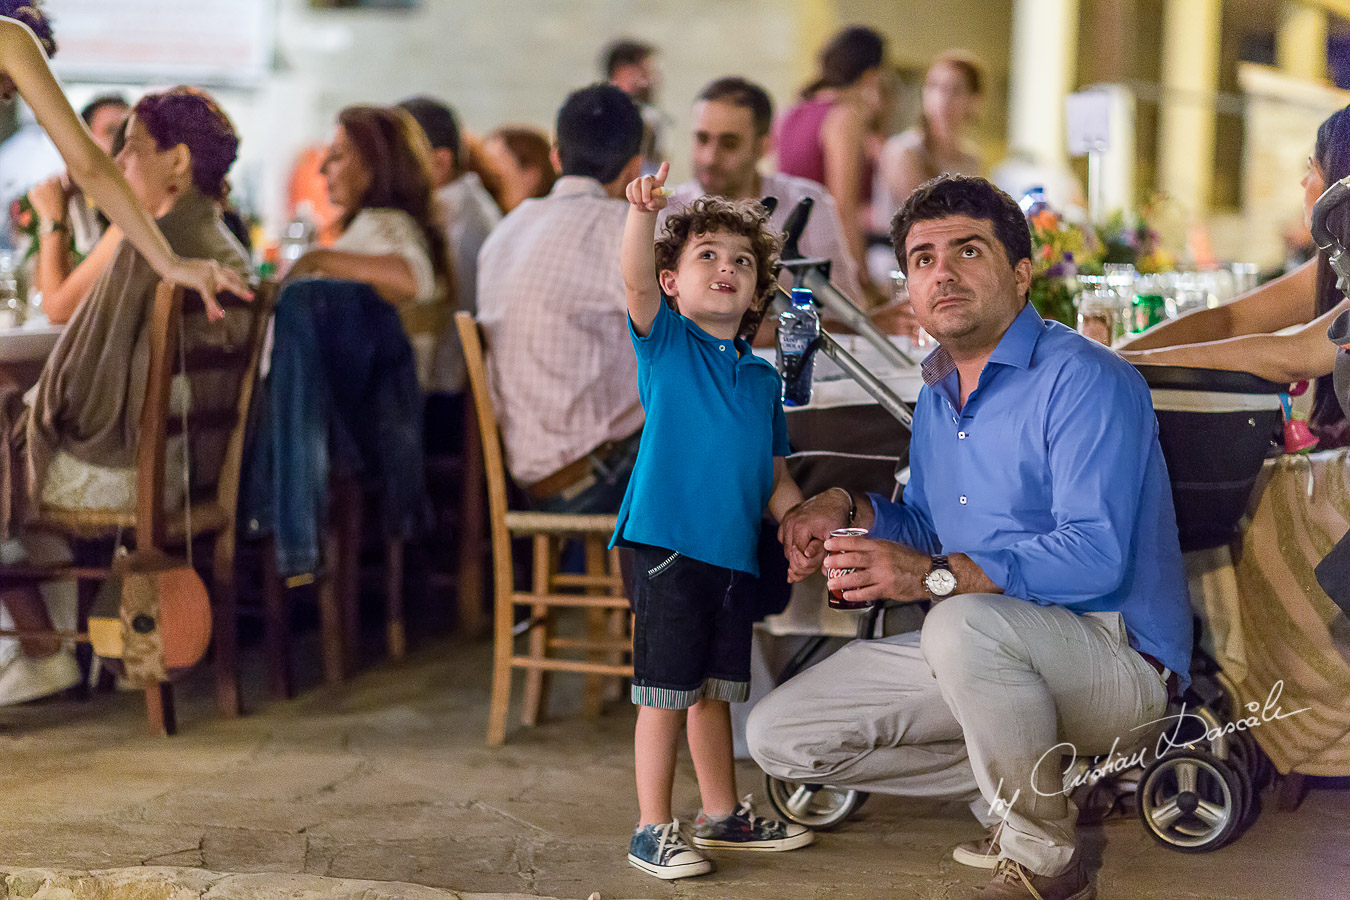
[514, 60]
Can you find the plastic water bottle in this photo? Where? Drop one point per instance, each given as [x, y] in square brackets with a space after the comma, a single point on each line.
[1034, 202]
[798, 334]
[298, 237]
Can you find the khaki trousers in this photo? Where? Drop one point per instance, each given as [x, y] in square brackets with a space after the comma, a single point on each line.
[972, 708]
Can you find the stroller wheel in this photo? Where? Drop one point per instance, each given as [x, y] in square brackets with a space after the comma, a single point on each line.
[1191, 802]
[817, 806]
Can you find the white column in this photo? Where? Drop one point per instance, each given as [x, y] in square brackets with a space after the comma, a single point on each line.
[1190, 66]
[1043, 72]
[1301, 42]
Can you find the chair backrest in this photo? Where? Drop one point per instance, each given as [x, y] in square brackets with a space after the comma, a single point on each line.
[217, 418]
[493, 464]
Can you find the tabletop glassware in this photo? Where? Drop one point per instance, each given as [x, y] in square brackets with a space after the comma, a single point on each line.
[11, 297]
[900, 294]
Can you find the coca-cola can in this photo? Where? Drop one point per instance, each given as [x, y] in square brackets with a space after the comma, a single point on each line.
[837, 600]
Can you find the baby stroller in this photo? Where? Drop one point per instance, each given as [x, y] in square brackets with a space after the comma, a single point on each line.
[1195, 785]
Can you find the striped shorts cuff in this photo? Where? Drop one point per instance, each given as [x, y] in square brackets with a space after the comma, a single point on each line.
[730, 691]
[663, 698]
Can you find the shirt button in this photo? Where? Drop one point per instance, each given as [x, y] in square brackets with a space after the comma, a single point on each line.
[963, 499]
[961, 435]
[721, 346]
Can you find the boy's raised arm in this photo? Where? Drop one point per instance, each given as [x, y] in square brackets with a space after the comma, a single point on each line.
[646, 198]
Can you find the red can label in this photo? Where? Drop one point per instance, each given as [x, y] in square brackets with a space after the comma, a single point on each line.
[836, 599]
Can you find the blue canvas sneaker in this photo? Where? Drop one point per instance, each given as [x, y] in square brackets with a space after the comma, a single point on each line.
[660, 850]
[743, 830]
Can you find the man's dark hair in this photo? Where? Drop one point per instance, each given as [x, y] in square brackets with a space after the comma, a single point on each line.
[963, 195]
[744, 94]
[624, 52]
[92, 108]
[599, 130]
[438, 121]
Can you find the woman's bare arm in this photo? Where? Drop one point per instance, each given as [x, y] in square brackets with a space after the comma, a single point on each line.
[901, 169]
[1300, 354]
[388, 273]
[59, 301]
[22, 59]
[841, 135]
[1273, 306]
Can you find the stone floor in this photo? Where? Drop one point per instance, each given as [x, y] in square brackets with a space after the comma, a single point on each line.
[388, 780]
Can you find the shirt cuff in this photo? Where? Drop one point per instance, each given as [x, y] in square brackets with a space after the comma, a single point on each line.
[884, 521]
[1000, 566]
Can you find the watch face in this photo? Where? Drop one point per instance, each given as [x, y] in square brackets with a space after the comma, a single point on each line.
[940, 582]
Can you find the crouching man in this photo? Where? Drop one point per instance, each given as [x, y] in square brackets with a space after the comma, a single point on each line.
[1039, 513]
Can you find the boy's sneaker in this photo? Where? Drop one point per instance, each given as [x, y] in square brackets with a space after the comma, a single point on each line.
[660, 850]
[743, 830]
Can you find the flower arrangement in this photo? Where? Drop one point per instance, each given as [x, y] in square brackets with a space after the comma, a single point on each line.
[1059, 250]
[1131, 239]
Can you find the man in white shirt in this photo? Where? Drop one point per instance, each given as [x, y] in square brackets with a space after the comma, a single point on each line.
[732, 120]
[468, 212]
[552, 304]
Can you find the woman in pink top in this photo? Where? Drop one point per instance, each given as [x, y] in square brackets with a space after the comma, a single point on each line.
[824, 136]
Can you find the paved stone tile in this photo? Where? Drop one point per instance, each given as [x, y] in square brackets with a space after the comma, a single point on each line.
[384, 783]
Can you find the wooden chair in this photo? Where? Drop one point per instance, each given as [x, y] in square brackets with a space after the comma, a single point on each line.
[213, 504]
[608, 636]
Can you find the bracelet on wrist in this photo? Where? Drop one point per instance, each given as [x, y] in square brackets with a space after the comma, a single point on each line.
[852, 506]
[52, 226]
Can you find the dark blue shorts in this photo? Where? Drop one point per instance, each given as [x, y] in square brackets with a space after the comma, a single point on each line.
[691, 630]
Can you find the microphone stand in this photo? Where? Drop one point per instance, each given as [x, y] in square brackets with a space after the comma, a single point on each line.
[815, 274]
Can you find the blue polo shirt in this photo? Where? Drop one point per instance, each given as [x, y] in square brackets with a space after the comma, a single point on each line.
[704, 471]
[1051, 479]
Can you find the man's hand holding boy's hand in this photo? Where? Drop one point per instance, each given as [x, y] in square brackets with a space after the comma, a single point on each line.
[648, 193]
[805, 527]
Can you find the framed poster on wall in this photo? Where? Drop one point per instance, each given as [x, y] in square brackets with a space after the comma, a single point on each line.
[206, 42]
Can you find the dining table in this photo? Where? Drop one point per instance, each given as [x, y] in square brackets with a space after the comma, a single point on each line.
[24, 349]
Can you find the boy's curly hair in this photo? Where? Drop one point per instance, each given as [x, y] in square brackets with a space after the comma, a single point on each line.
[744, 217]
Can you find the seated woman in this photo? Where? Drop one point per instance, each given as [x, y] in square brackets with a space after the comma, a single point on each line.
[75, 446]
[522, 157]
[378, 174]
[25, 42]
[1242, 335]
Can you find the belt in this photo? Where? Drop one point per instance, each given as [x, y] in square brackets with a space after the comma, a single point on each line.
[575, 472]
[1169, 678]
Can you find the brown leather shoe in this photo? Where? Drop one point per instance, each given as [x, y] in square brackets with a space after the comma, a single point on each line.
[1012, 881]
[981, 854]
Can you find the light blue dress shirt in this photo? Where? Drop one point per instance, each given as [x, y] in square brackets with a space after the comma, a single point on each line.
[1051, 479]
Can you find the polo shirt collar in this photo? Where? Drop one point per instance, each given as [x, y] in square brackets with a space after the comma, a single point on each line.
[577, 185]
[1014, 348]
[743, 349]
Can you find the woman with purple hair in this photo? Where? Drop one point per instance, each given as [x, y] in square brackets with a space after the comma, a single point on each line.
[25, 43]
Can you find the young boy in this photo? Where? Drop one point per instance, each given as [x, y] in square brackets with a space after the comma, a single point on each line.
[709, 464]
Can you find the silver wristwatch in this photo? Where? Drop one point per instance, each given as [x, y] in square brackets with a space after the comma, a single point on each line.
[940, 580]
